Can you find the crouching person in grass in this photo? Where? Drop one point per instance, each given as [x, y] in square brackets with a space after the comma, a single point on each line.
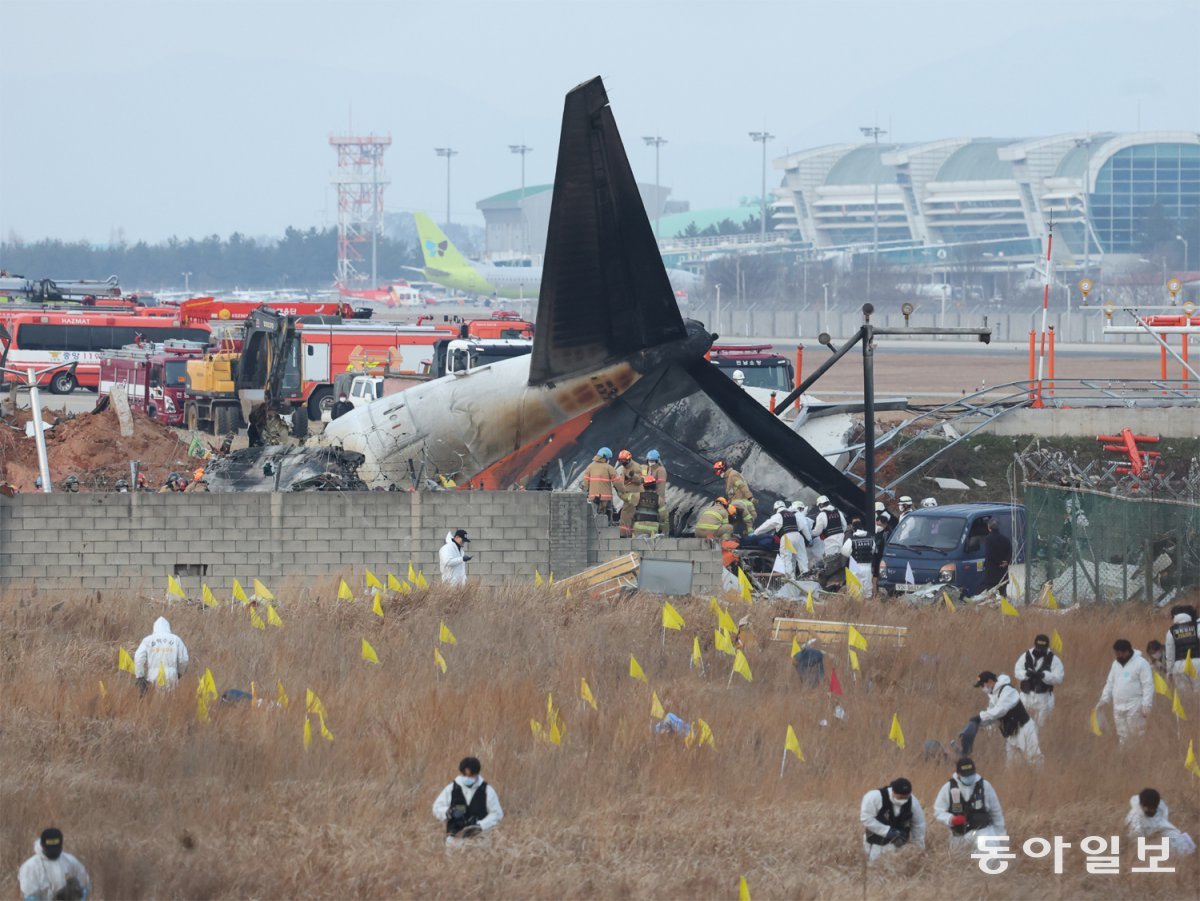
[468, 806]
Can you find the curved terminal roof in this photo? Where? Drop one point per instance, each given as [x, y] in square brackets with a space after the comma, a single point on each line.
[977, 161]
[862, 166]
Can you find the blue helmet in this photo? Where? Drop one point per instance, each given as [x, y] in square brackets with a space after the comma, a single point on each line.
[605, 452]
[653, 456]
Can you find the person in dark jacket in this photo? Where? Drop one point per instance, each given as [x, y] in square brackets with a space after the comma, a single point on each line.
[341, 408]
[468, 805]
[997, 555]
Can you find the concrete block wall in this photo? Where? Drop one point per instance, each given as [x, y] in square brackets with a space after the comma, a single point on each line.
[134, 541]
[706, 556]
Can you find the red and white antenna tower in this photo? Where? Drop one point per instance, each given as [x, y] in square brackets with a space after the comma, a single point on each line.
[360, 181]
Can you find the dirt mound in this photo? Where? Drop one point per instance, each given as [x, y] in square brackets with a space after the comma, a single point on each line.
[90, 446]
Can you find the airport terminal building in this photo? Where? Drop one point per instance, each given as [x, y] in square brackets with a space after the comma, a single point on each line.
[975, 196]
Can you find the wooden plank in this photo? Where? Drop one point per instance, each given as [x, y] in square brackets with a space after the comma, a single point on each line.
[787, 628]
[619, 572]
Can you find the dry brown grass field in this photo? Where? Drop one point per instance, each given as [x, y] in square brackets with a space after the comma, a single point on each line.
[160, 805]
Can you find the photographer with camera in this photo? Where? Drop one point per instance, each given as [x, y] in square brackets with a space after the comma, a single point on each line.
[468, 805]
[1038, 670]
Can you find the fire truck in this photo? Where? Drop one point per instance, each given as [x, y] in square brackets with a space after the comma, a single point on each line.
[154, 376]
[759, 363]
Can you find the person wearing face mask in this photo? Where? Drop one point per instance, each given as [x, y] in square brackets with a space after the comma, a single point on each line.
[1037, 671]
[1006, 710]
[1130, 687]
[52, 872]
[892, 819]
[968, 806]
[342, 407]
[468, 805]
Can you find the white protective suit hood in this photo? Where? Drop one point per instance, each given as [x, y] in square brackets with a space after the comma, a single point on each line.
[161, 626]
[1181, 618]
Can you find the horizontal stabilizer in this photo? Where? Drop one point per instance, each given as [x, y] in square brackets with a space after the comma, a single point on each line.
[605, 292]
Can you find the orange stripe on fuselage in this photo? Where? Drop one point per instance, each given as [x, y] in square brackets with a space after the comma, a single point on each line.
[518, 466]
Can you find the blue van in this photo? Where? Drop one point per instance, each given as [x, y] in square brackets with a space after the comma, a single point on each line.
[945, 545]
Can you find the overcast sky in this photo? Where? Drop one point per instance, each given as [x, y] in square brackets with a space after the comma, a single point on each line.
[179, 118]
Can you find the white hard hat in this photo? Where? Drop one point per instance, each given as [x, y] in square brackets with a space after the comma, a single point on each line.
[905, 501]
[822, 501]
[779, 505]
[929, 503]
[797, 506]
[739, 376]
[879, 508]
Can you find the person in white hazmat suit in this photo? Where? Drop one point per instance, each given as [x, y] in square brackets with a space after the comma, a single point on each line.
[1009, 714]
[468, 806]
[892, 819]
[452, 559]
[1147, 818]
[794, 535]
[1037, 671]
[1183, 639]
[816, 547]
[53, 873]
[161, 658]
[1130, 687]
[968, 806]
[858, 550]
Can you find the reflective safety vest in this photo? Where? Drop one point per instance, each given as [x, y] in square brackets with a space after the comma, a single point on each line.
[789, 526]
[901, 822]
[862, 548]
[736, 488]
[1011, 722]
[598, 480]
[1186, 639]
[711, 519]
[835, 524]
[974, 808]
[1037, 686]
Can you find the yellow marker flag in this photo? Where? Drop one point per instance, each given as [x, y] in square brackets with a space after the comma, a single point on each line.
[853, 585]
[656, 707]
[307, 734]
[855, 638]
[536, 728]
[377, 607]
[124, 661]
[537, 578]
[344, 592]
[550, 581]
[281, 697]
[372, 580]
[1189, 668]
[714, 606]
[325, 733]
[671, 618]
[174, 588]
[262, 591]
[796, 646]
[1176, 707]
[412, 573]
[239, 593]
[895, 733]
[312, 704]
[1190, 763]
[421, 583]
[949, 603]
[586, 693]
[253, 693]
[368, 652]
[1056, 644]
[1051, 600]
[722, 643]
[255, 620]
[696, 660]
[636, 671]
[405, 588]
[725, 621]
[1160, 685]
[273, 617]
[549, 707]
[792, 743]
[744, 588]
[208, 685]
[207, 597]
[445, 636]
[742, 667]
[1095, 723]
[555, 734]
[854, 661]
[161, 680]
[785, 543]
[808, 604]
[1007, 609]
[393, 583]
[103, 690]
[706, 735]
[743, 890]
[202, 708]
[439, 660]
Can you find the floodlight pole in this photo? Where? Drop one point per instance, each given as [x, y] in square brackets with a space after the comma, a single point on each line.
[762, 137]
[449, 153]
[656, 141]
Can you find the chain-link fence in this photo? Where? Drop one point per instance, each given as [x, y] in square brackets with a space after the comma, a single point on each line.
[1091, 547]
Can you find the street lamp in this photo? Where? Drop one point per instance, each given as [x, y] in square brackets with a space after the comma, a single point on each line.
[656, 142]
[762, 137]
[1087, 217]
[448, 153]
[1185, 251]
[522, 150]
[873, 132]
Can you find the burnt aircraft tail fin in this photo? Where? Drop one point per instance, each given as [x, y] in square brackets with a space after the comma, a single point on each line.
[605, 293]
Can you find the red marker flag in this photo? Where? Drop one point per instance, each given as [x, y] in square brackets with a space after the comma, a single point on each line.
[835, 687]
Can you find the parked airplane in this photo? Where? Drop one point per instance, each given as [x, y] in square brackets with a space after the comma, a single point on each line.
[446, 265]
[613, 363]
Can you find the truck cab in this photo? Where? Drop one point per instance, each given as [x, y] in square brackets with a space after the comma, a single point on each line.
[762, 367]
[944, 546]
